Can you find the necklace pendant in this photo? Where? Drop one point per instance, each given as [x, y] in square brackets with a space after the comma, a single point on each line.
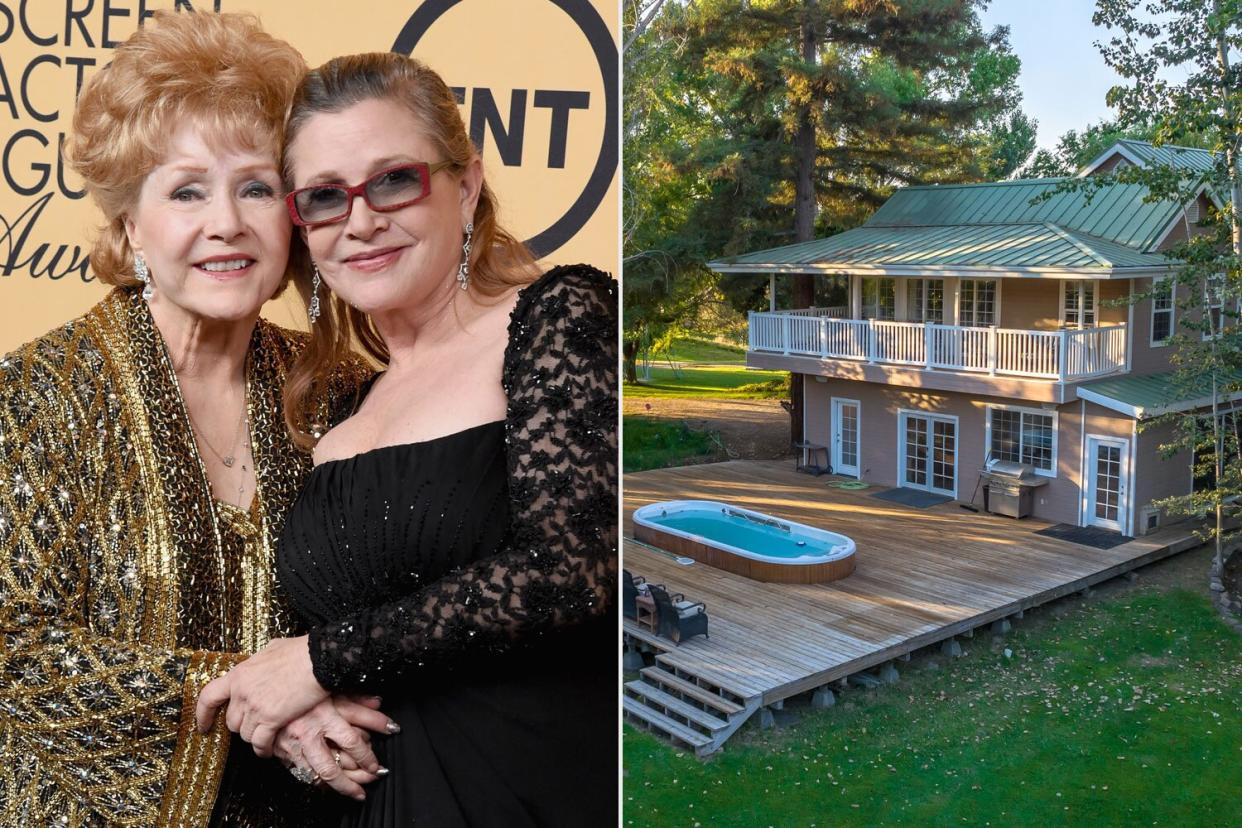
[228, 461]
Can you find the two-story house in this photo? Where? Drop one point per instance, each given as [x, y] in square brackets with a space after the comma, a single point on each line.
[978, 327]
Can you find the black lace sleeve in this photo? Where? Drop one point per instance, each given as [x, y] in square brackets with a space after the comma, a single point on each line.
[560, 562]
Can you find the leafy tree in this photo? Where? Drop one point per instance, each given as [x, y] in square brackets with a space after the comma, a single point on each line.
[1076, 149]
[754, 124]
[1177, 56]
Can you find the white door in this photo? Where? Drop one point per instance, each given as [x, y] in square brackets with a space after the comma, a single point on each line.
[1107, 497]
[929, 453]
[845, 437]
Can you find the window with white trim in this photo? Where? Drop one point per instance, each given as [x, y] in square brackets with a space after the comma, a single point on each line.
[1078, 305]
[976, 303]
[925, 300]
[879, 298]
[1162, 301]
[1023, 435]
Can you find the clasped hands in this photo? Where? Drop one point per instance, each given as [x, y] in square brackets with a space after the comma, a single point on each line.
[275, 704]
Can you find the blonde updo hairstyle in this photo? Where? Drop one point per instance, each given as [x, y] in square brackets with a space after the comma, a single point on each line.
[221, 72]
[498, 260]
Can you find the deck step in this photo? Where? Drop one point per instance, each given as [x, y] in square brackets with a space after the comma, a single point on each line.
[675, 706]
[666, 725]
[691, 690]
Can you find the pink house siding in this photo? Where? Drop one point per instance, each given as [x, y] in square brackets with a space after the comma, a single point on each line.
[1159, 477]
[1058, 501]
[1114, 289]
[1030, 304]
[1144, 358]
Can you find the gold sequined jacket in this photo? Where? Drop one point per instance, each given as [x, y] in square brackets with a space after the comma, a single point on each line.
[124, 588]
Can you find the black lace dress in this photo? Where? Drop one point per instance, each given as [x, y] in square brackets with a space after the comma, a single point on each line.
[470, 581]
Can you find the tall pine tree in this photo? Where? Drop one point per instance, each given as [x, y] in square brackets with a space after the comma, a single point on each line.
[781, 120]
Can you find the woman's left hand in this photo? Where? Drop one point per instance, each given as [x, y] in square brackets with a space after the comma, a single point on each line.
[264, 693]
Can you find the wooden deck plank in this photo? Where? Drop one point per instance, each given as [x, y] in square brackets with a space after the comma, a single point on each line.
[922, 575]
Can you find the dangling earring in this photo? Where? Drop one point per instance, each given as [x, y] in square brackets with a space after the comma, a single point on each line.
[312, 312]
[143, 274]
[463, 271]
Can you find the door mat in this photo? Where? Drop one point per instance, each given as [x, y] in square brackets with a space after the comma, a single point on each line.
[912, 497]
[1092, 536]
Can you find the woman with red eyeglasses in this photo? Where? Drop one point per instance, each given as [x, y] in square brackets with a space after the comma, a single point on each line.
[454, 550]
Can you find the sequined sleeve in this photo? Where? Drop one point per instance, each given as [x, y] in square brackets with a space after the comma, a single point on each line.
[95, 727]
[559, 565]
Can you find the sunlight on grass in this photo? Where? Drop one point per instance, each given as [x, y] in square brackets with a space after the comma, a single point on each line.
[651, 443]
[712, 381]
[1125, 712]
[695, 349]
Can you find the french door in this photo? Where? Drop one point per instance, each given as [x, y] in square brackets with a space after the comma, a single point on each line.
[1107, 473]
[928, 452]
[845, 437]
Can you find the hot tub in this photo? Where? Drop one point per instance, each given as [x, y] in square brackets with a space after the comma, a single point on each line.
[744, 542]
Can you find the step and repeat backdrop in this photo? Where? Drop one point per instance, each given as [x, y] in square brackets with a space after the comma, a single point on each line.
[537, 81]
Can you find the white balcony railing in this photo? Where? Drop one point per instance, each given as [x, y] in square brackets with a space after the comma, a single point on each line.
[1060, 355]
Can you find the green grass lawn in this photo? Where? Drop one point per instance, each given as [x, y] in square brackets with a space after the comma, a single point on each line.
[1128, 711]
[716, 381]
[696, 349]
[652, 443]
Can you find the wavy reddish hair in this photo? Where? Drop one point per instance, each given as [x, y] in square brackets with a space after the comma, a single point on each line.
[219, 71]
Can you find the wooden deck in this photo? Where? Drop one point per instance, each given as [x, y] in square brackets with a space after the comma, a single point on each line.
[923, 576]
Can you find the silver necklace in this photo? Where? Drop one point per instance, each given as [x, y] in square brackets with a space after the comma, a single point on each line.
[230, 459]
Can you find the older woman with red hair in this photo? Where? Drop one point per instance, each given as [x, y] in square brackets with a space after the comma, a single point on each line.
[146, 465]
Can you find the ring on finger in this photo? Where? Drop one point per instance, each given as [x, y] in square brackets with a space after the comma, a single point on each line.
[304, 775]
[336, 755]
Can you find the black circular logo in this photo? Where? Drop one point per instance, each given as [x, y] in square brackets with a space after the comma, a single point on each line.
[596, 32]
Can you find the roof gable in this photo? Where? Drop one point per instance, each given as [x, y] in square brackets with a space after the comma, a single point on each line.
[1116, 212]
[1144, 154]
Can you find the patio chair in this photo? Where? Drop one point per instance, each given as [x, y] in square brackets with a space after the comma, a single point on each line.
[631, 587]
[677, 618]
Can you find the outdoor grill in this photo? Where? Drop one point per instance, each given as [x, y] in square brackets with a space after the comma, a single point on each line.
[1009, 487]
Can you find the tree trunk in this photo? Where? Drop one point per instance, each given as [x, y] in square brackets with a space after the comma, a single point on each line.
[629, 351]
[1235, 226]
[1231, 142]
[804, 185]
[804, 212]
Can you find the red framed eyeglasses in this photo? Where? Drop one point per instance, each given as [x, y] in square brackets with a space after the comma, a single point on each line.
[387, 190]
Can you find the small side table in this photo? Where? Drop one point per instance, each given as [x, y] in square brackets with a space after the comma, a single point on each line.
[646, 612]
[812, 452]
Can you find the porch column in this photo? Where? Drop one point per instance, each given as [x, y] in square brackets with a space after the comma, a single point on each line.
[855, 283]
[772, 292]
[952, 300]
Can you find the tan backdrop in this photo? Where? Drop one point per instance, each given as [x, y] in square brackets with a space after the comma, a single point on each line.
[537, 80]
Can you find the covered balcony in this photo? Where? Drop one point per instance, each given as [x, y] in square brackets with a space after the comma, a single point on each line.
[1024, 338]
[1065, 355]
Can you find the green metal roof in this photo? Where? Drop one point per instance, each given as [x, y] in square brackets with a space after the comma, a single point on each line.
[1107, 231]
[1006, 246]
[1149, 395]
[1115, 213]
[1168, 154]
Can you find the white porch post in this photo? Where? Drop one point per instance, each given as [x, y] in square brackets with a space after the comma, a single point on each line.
[1129, 340]
[772, 292]
[855, 283]
[952, 301]
[1063, 355]
[900, 309]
